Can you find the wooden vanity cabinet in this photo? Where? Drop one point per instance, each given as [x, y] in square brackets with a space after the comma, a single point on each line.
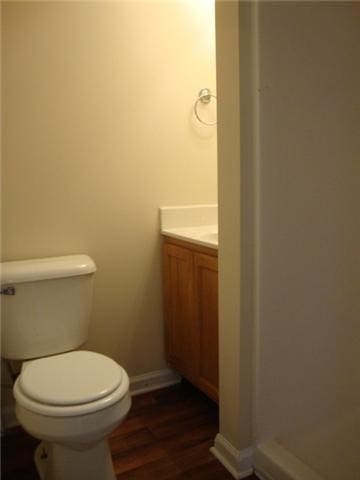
[191, 312]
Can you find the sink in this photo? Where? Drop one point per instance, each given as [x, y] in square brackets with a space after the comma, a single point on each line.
[210, 237]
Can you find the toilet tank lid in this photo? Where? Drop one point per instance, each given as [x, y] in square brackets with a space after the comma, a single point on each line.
[21, 271]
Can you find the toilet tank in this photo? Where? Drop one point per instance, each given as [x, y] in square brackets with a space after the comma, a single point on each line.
[45, 305]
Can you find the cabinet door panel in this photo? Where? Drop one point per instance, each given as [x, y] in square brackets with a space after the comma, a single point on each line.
[206, 313]
[178, 290]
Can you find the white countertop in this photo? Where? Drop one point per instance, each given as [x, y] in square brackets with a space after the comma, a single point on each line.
[206, 235]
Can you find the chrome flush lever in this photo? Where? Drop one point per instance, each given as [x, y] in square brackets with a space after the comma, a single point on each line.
[8, 291]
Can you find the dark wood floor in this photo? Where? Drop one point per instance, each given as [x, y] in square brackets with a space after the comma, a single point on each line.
[167, 435]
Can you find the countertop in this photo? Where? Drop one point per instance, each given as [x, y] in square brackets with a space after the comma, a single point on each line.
[206, 235]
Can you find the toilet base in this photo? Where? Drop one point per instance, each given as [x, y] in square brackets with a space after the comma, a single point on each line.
[40, 459]
[59, 462]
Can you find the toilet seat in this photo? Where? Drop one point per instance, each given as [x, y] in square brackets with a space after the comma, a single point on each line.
[70, 378]
[73, 383]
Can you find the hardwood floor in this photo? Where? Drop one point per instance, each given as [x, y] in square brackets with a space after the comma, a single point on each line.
[167, 435]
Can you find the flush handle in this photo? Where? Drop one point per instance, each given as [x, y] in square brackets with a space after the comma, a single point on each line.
[8, 291]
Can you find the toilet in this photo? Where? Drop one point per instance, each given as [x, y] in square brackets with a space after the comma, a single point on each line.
[69, 399]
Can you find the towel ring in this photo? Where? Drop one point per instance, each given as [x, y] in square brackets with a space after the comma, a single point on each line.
[204, 97]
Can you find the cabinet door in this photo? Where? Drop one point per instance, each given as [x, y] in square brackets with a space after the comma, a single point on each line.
[178, 293]
[206, 314]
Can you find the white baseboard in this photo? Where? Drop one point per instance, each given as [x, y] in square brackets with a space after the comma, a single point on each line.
[273, 462]
[153, 381]
[237, 462]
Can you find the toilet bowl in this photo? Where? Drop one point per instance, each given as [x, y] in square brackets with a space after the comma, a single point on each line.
[71, 402]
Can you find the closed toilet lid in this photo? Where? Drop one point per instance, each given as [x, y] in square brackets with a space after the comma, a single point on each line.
[71, 378]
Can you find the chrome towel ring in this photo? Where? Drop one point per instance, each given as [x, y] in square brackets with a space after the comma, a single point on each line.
[204, 97]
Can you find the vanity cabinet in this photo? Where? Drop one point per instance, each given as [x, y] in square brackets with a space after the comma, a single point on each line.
[191, 312]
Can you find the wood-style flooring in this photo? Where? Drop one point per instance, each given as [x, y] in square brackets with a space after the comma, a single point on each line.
[167, 435]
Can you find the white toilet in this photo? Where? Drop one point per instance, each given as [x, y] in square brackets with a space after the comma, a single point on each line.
[71, 400]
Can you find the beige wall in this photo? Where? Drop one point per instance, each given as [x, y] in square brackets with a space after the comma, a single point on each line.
[98, 132]
[289, 193]
[308, 376]
[227, 31]
[235, 224]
